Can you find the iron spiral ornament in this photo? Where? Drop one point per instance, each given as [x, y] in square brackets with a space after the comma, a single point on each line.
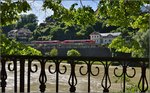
[106, 82]
[124, 73]
[57, 71]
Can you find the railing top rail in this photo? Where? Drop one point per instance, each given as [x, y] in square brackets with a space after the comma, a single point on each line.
[76, 58]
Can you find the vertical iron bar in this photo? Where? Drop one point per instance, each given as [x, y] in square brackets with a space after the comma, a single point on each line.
[72, 80]
[15, 75]
[143, 79]
[106, 78]
[106, 81]
[124, 77]
[143, 75]
[89, 78]
[72, 70]
[89, 82]
[42, 77]
[106, 66]
[57, 76]
[3, 75]
[22, 70]
[106, 72]
[0, 73]
[29, 69]
[143, 86]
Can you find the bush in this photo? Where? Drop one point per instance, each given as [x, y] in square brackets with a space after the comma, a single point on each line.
[12, 47]
[73, 52]
[54, 52]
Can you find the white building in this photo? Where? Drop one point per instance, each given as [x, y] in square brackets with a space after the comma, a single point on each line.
[103, 38]
[12, 34]
[22, 34]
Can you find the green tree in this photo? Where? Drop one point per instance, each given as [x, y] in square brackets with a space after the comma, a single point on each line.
[11, 47]
[126, 13]
[7, 28]
[132, 41]
[10, 11]
[73, 52]
[143, 39]
[31, 26]
[54, 52]
[9, 15]
[54, 29]
[81, 16]
[120, 44]
[29, 21]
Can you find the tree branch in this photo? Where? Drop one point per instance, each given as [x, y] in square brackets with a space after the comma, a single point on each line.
[81, 3]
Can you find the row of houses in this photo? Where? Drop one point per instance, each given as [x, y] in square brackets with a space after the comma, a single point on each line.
[24, 34]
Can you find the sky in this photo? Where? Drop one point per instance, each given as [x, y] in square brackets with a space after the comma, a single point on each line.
[42, 14]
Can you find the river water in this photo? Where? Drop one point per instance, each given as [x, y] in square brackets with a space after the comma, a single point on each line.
[82, 81]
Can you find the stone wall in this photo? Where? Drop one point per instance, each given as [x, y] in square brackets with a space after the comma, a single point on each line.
[98, 51]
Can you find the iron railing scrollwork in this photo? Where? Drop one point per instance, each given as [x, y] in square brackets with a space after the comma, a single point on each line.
[42, 77]
[124, 73]
[89, 72]
[14, 68]
[57, 71]
[30, 61]
[72, 79]
[143, 83]
[11, 63]
[106, 77]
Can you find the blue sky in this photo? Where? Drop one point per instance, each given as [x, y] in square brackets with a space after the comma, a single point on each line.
[42, 14]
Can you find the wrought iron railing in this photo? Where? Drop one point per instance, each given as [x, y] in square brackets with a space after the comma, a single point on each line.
[10, 63]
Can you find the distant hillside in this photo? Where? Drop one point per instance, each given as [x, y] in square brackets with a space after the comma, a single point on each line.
[53, 29]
